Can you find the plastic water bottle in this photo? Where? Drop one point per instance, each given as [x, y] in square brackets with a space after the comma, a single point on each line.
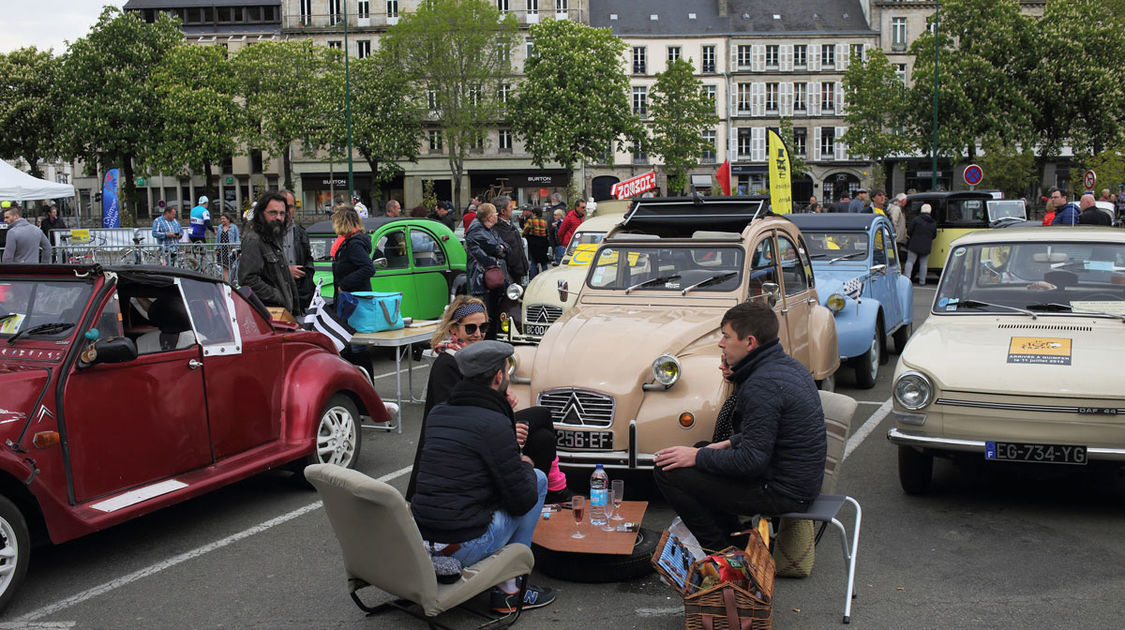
[599, 496]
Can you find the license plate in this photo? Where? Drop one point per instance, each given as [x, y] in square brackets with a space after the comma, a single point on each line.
[584, 440]
[1035, 453]
[537, 330]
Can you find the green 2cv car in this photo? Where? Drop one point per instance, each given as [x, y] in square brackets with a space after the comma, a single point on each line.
[420, 258]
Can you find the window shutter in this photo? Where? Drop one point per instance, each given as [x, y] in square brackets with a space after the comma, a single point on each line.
[839, 98]
[759, 57]
[758, 99]
[813, 98]
[758, 144]
[787, 57]
[814, 57]
[733, 56]
[841, 148]
[816, 143]
[786, 105]
[843, 56]
[733, 98]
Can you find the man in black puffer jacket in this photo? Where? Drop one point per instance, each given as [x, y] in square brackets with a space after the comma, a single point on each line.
[475, 492]
[775, 464]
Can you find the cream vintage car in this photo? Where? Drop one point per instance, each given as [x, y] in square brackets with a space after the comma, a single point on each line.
[548, 294]
[633, 366]
[1016, 361]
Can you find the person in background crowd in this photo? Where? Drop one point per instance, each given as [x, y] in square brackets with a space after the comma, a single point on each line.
[443, 213]
[922, 232]
[517, 260]
[166, 229]
[841, 205]
[1091, 214]
[360, 209]
[535, 231]
[263, 266]
[878, 202]
[1055, 200]
[470, 212]
[199, 221]
[394, 208]
[570, 224]
[298, 251]
[555, 222]
[1066, 212]
[1105, 195]
[352, 268]
[418, 212]
[52, 222]
[475, 492]
[813, 206]
[484, 249]
[24, 243]
[898, 222]
[228, 233]
[859, 204]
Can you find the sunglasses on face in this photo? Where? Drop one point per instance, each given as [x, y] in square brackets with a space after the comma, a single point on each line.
[471, 329]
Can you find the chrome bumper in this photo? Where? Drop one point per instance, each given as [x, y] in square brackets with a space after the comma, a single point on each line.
[977, 446]
[621, 460]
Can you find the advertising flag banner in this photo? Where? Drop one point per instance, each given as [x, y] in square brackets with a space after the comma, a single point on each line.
[632, 187]
[723, 177]
[781, 181]
[111, 214]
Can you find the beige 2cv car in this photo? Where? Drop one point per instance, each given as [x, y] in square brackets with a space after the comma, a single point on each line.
[1018, 359]
[633, 366]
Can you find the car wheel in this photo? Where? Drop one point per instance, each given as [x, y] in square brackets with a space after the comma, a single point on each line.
[599, 567]
[827, 384]
[915, 470]
[15, 553]
[867, 365]
[338, 439]
[902, 335]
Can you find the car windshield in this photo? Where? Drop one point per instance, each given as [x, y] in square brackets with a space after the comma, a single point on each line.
[1035, 277]
[1006, 209]
[321, 247]
[648, 268]
[28, 303]
[587, 243]
[829, 246]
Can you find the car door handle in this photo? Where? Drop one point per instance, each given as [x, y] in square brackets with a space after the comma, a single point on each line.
[194, 364]
[784, 311]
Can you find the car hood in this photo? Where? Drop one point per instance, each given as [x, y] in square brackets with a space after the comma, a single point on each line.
[544, 288]
[1068, 356]
[580, 348]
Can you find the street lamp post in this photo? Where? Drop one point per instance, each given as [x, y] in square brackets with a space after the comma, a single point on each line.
[348, 105]
[933, 151]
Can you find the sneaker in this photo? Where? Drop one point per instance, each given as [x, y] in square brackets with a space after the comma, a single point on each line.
[558, 496]
[533, 597]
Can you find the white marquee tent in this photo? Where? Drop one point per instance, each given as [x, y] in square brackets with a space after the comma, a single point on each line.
[16, 185]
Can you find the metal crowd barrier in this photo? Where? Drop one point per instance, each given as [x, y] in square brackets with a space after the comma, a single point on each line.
[218, 260]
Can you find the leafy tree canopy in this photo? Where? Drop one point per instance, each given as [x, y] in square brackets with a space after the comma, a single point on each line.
[681, 112]
[27, 112]
[876, 106]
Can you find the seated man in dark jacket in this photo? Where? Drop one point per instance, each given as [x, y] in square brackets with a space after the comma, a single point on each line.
[775, 463]
[475, 492]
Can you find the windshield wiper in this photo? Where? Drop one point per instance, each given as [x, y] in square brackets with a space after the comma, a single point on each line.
[847, 256]
[979, 304]
[719, 277]
[51, 328]
[8, 316]
[658, 280]
[1056, 307]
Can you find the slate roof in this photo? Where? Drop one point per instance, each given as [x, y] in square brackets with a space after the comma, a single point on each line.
[744, 17]
[133, 5]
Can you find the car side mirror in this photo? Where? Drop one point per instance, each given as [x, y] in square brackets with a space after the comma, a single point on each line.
[878, 269]
[113, 350]
[380, 263]
[772, 291]
[564, 290]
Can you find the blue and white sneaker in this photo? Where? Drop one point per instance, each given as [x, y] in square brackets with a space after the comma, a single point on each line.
[533, 597]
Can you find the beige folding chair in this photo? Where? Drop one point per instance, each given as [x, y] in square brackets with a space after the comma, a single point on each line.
[383, 548]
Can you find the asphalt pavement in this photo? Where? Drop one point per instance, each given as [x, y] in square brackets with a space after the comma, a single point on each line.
[990, 547]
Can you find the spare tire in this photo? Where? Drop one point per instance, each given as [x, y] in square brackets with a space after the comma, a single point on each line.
[599, 567]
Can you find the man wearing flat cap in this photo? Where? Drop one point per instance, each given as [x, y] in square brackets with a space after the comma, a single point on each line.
[475, 492]
[859, 204]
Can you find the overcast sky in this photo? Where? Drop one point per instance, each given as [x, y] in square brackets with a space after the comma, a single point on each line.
[48, 23]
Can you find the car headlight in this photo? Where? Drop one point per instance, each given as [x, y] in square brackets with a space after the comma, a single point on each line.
[836, 302]
[514, 291]
[666, 370]
[913, 390]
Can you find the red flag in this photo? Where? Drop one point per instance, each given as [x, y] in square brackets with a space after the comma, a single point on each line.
[723, 176]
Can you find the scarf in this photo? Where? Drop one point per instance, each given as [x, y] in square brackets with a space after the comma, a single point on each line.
[469, 394]
[340, 241]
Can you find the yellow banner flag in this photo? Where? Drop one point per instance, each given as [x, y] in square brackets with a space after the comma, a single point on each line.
[781, 181]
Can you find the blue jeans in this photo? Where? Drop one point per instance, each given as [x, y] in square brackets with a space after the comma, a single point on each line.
[504, 529]
[559, 251]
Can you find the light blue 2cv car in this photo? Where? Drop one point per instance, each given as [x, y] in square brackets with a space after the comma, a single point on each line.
[858, 278]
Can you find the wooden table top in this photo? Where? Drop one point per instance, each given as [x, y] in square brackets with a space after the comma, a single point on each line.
[415, 333]
[554, 533]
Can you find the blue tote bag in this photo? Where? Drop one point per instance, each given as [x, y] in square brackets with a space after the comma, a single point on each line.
[376, 311]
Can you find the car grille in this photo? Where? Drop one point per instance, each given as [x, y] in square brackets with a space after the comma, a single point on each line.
[543, 313]
[1044, 327]
[578, 407]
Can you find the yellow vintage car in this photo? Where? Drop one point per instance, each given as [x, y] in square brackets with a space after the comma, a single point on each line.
[1016, 361]
[632, 366]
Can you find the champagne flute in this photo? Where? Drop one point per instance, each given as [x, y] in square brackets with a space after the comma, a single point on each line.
[610, 504]
[578, 506]
[618, 488]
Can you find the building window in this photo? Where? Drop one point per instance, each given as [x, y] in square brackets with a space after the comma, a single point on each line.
[673, 53]
[530, 49]
[434, 136]
[363, 8]
[900, 72]
[505, 56]
[335, 12]
[392, 8]
[504, 141]
[502, 6]
[801, 55]
[800, 141]
[711, 92]
[772, 55]
[335, 43]
[827, 97]
[898, 33]
[857, 52]
[708, 59]
[640, 152]
[363, 48]
[478, 143]
[474, 95]
[640, 60]
[305, 10]
[533, 7]
[828, 56]
[744, 97]
[744, 143]
[561, 6]
[640, 100]
[431, 100]
[771, 97]
[504, 92]
[709, 153]
[745, 55]
[800, 97]
[827, 143]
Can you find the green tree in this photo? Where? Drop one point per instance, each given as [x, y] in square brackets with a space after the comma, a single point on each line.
[27, 112]
[1009, 170]
[876, 108]
[386, 118]
[457, 52]
[1109, 166]
[106, 108]
[797, 165]
[292, 92]
[573, 104]
[681, 112]
[194, 91]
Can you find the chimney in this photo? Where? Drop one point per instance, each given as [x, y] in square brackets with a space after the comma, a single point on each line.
[724, 5]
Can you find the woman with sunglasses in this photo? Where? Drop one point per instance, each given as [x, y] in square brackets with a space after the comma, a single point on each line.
[466, 322]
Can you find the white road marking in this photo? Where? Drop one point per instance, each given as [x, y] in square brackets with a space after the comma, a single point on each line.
[385, 375]
[859, 436]
[660, 612]
[124, 580]
[36, 625]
